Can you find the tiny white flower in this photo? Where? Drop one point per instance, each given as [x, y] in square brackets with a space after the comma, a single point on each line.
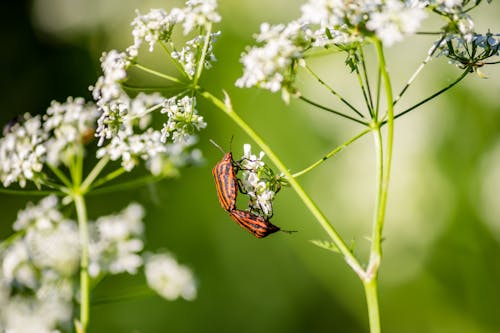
[168, 278]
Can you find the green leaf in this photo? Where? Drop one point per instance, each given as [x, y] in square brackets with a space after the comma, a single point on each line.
[326, 245]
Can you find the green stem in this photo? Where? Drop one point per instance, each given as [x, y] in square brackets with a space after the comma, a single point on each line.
[376, 228]
[330, 154]
[311, 206]
[161, 75]
[11, 239]
[130, 294]
[377, 105]
[30, 192]
[59, 174]
[126, 185]
[419, 69]
[371, 294]
[109, 177]
[365, 74]
[94, 173]
[464, 74]
[81, 212]
[201, 61]
[376, 250]
[333, 92]
[307, 100]
[177, 64]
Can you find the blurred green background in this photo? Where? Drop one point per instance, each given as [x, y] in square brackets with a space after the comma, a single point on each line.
[441, 270]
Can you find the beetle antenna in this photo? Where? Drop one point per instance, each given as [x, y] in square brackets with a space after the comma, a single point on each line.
[217, 145]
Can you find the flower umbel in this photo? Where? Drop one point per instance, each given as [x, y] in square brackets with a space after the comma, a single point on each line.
[30, 142]
[168, 278]
[470, 53]
[259, 182]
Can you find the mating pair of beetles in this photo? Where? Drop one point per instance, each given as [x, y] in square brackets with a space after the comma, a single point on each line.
[226, 183]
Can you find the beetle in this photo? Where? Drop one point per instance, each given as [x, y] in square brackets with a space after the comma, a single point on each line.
[226, 183]
[255, 224]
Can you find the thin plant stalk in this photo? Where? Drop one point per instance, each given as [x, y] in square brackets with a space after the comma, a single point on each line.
[333, 92]
[201, 60]
[307, 100]
[332, 153]
[81, 212]
[419, 69]
[370, 283]
[175, 61]
[94, 173]
[436, 94]
[31, 193]
[159, 74]
[365, 74]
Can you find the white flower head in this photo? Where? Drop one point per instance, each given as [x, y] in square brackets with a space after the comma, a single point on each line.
[27, 314]
[114, 66]
[259, 182]
[152, 27]
[396, 19]
[56, 248]
[17, 267]
[22, 153]
[189, 53]
[168, 278]
[70, 124]
[270, 66]
[117, 242]
[44, 215]
[469, 51]
[199, 14]
[183, 120]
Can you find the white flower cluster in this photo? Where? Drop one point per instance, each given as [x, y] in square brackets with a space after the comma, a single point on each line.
[116, 243]
[258, 182]
[168, 278]
[37, 270]
[270, 66]
[158, 24]
[30, 142]
[323, 23]
[152, 27]
[191, 51]
[126, 121]
[22, 152]
[348, 21]
[457, 12]
[470, 52]
[114, 66]
[69, 124]
[39, 264]
[395, 19]
[183, 119]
